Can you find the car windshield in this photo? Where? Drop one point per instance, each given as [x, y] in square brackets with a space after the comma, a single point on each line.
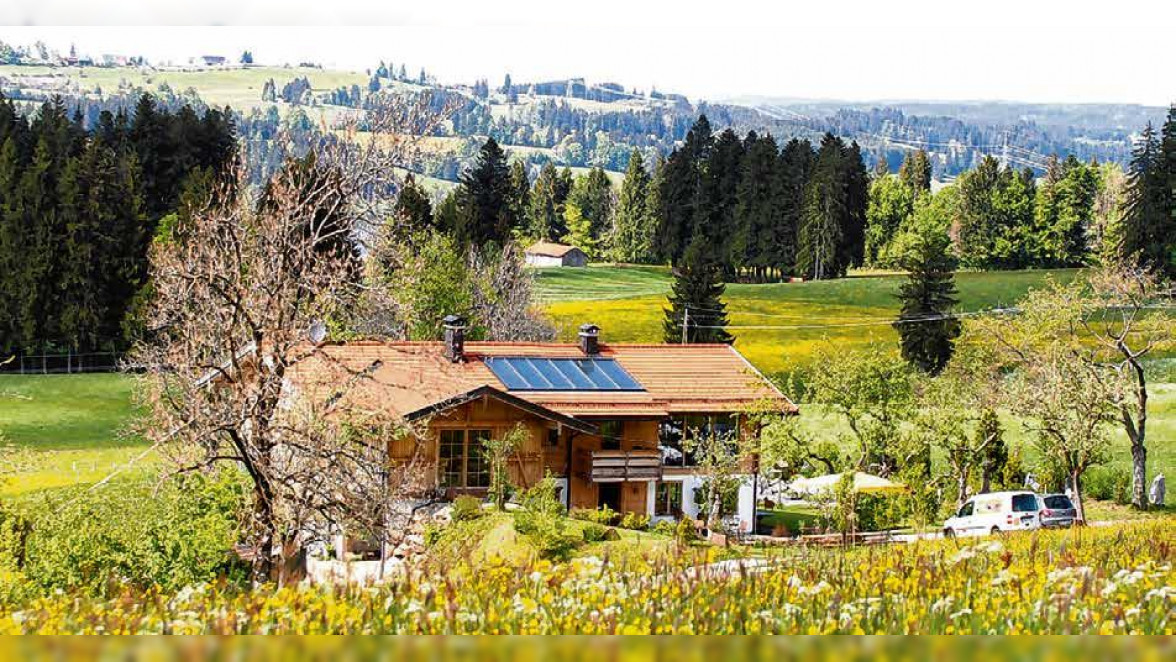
[1024, 503]
[1058, 502]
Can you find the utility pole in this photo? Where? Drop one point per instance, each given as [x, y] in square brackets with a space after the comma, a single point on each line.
[686, 326]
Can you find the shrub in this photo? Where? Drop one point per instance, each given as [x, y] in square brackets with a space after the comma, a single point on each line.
[665, 528]
[684, 532]
[594, 532]
[135, 532]
[466, 508]
[541, 521]
[602, 515]
[637, 521]
[1108, 484]
[432, 534]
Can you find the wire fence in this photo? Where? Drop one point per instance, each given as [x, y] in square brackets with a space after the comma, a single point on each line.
[63, 363]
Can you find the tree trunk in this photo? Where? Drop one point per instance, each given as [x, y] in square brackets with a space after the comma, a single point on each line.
[961, 489]
[1139, 476]
[1081, 510]
[263, 553]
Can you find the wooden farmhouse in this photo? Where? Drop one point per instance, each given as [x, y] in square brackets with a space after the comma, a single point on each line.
[607, 420]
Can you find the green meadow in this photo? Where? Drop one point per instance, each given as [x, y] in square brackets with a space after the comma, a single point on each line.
[628, 303]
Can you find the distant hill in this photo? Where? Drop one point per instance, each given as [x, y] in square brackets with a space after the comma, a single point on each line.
[577, 123]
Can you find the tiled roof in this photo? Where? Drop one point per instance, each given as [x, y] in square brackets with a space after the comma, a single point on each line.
[549, 249]
[402, 378]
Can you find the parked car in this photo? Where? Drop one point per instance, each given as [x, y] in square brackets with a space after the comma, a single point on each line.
[995, 512]
[1057, 511]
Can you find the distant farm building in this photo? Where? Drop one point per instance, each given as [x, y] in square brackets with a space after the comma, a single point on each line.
[213, 60]
[548, 254]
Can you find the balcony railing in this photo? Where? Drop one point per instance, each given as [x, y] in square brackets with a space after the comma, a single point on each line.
[625, 466]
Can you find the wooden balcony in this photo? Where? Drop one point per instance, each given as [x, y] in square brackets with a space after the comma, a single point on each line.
[626, 466]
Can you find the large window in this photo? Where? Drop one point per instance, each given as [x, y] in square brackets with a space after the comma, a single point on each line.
[463, 458]
[673, 435]
[668, 499]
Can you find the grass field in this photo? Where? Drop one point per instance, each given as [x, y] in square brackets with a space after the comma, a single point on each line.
[627, 303]
[74, 426]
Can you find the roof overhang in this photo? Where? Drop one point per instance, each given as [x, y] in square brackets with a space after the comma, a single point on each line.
[487, 391]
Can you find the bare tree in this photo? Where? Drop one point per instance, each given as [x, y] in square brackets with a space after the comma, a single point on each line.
[1127, 314]
[242, 291]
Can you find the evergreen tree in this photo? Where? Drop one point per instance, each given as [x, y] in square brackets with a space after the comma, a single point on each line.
[758, 208]
[682, 198]
[915, 172]
[520, 192]
[593, 195]
[413, 209]
[717, 197]
[696, 299]
[1144, 220]
[545, 215]
[796, 164]
[926, 330]
[826, 207]
[484, 199]
[632, 233]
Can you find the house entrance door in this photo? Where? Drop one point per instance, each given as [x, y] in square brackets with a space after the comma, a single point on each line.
[609, 494]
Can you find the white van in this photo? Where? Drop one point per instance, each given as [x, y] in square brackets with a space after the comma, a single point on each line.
[995, 512]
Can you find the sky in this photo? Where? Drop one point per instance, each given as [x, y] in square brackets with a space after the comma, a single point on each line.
[1024, 50]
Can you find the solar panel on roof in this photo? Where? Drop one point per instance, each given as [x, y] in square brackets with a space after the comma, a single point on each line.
[522, 373]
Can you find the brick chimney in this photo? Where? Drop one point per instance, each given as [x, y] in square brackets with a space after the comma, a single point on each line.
[454, 338]
[589, 339]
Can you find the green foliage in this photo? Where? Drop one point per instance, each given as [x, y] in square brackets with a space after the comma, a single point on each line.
[891, 202]
[580, 232]
[541, 520]
[432, 281]
[1108, 484]
[635, 521]
[633, 223]
[926, 331]
[685, 532]
[697, 312]
[498, 451]
[432, 533]
[831, 236]
[1149, 222]
[134, 532]
[466, 508]
[594, 532]
[485, 199]
[602, 515]
[665, 528]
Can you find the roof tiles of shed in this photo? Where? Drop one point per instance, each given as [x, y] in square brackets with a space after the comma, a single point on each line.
[401, 378]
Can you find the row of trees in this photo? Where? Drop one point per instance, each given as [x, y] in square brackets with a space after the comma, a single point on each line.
[78, 207]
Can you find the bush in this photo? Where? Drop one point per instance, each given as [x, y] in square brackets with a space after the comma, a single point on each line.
[665, 528]
[684, 532]
[603, 515]
[1108, 484]
[541, 521]
[432, 534]
[466, 509]
[136, 532]
[636, 521]
[594, 532]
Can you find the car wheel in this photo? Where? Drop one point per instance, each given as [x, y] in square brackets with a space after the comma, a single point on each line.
[995, 531]
[949, 533]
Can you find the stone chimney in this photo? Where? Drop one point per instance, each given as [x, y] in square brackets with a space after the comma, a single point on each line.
[454, 338]
[589, 339]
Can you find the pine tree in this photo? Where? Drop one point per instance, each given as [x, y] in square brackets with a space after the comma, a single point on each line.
[545, 208]
[484, 199]
[926, 330]
[683, 200]
[758, 207]
[413, 209]
[520, 192]
[1146, 222]
[631, 235]
[697, 313]
[915, 173]
[796, 164]
[826, 206]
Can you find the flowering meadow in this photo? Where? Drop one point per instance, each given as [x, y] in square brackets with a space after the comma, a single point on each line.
[1094, 580]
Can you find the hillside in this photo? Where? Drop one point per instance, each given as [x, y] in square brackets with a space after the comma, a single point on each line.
[580, 124]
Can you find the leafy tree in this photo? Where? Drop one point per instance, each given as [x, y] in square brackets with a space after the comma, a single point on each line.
[593, 195]
[697, 313]
[632, 234]
[580, 232]
[891, 202]
[990, 435]
[926, 329]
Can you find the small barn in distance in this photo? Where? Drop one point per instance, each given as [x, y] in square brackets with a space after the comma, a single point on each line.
[548, 254]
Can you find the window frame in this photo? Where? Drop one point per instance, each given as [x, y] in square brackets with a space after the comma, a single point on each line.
[663, 503]
[469, 464]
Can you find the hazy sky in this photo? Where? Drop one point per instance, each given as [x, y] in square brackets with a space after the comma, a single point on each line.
[1030, 50]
